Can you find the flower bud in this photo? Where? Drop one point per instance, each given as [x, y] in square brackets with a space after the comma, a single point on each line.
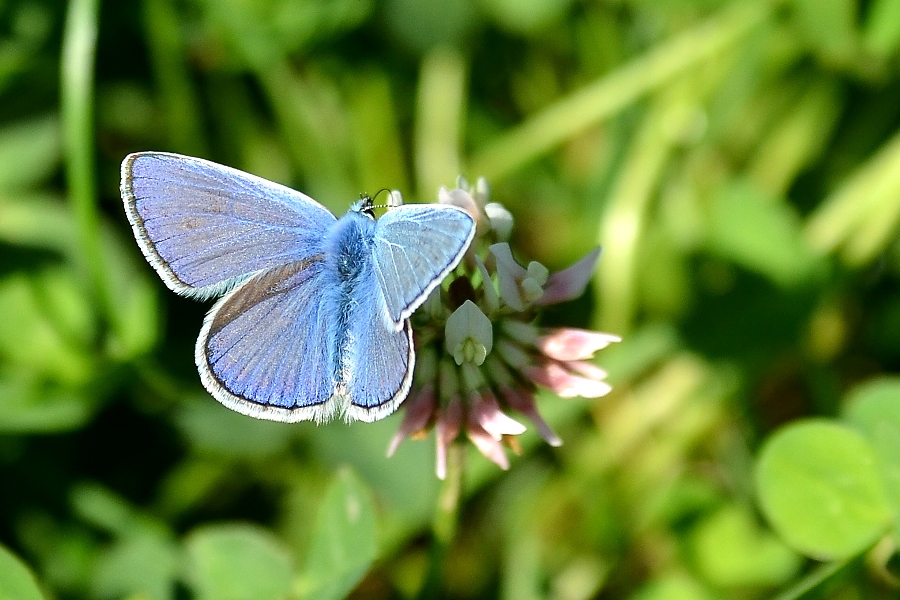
[500, 219]
[468, 334]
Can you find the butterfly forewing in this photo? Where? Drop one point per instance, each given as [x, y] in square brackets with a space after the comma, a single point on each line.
[415, 247]
[203, 226]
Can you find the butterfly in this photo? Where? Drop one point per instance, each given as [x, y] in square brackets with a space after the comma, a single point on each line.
[313, 319]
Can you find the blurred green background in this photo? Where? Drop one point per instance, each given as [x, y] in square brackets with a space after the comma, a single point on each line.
[738, 161]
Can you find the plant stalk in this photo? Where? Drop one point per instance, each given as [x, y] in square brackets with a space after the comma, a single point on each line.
[445, 521]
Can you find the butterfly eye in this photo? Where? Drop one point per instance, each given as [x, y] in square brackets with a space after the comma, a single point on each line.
[366, 206]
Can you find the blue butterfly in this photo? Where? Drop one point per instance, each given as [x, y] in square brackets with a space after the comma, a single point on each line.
[314, 321]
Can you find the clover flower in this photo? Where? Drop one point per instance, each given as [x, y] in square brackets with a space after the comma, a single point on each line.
[481, 356]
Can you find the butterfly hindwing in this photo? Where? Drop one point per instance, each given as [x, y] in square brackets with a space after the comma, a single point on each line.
[204, 226]
[381, 360]
[264, 348]
[415, 247]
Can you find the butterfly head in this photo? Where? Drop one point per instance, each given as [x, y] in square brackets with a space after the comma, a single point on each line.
[364, 206]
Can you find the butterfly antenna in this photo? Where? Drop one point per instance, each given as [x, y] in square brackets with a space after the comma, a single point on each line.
[394, 199]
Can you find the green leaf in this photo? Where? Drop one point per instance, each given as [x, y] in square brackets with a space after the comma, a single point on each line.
[344, 541]
[828, 25]
[142, 559]
[16, 581]
[798, 137]
[874, 408]
[51, 314]
[63, 301]
[238, 562]
[405, 485]
[134, 305]
[731, 550]
[30, 152]
[820, 487]
[102, 508]
[526, 16]
[29, 406]
[674, 586]
[861, 215]
[65, 555]
[759, 233]
[145, 562]
[213, 429]
[874, 403]
[37, 221]
[882, 28]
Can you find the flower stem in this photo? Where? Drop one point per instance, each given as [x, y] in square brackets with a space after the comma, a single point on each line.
[77, 98]
[445, 519]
